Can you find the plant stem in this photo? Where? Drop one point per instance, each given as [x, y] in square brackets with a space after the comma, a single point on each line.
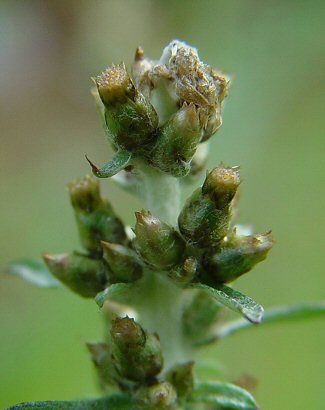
[162, 193]
[157, 300]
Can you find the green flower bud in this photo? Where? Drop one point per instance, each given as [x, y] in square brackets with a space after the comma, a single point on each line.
[158, 243]
[95, 216]
[85, 194]
[205, 218]
[185, 272]
[238, 255]
[123, 262]
[199, 315]
[177, 141]
[221, 185]
[101, 357]
[137, 354]
[162, 396]
[115, 86]
[80, 273]
[181, 377]
[201, 223]
[129, 116]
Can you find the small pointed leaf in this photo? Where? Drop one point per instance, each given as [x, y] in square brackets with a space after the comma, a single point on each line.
[114, 402]
[120, 160]
[272, 315]
[33, 271]
[224, 396]
[235, 301]
[112, 292]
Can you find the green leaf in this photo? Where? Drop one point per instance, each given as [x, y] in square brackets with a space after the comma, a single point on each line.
[273, 315]
[120, 160]
[112, 292]
[235, 301]
[115, 402]
[33, 271]
[224, 396]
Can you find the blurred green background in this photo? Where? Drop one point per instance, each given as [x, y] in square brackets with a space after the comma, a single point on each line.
[273, 127]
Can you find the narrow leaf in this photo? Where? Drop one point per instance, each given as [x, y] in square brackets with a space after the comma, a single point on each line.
[33, 271]
[115, 402]
[235, 301]
[120, 160]
[224, 396]
[112, 292]
[273, 315]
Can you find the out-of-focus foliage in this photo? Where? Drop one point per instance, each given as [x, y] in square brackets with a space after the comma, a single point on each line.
[273, 127]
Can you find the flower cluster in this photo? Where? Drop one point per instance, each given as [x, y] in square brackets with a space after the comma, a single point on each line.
[163, 113]
[204, 248]
[155, 122]
[175, 262]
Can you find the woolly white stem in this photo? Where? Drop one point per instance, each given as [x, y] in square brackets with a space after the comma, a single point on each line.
[162, 194]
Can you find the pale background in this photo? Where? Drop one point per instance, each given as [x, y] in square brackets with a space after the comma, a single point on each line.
[273, 127]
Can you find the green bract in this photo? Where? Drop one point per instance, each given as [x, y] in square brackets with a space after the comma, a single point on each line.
[161, 285]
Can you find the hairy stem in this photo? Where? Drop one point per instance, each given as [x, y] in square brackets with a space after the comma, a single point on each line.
[161, 308]
[162, 193]
[159, 302]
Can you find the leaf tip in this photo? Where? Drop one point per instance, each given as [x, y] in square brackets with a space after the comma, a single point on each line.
[256, 316]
